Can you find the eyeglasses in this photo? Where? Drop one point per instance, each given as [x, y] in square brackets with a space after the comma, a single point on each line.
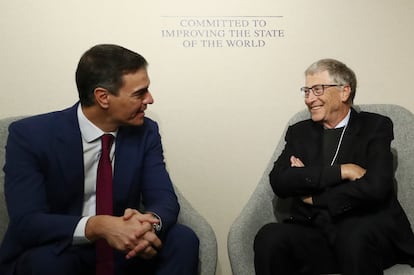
[317, 90]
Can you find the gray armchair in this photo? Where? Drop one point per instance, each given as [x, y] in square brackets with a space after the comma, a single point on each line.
[263, 207]
[188, 215]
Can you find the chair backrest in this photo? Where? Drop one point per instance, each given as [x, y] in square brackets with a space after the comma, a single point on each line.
[4, 220]
[402, 147]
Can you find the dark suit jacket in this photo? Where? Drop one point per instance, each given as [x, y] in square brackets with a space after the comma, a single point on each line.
[366, 142]
[44, 180]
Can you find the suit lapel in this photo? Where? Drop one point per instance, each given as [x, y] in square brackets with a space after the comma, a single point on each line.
[350, 138]
[313, 145]
[125, 170]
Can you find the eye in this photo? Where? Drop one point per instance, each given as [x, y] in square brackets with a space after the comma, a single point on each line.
[140, 93]
[317, 88]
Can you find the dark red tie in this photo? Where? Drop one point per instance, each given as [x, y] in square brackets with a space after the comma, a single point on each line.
[104, 205]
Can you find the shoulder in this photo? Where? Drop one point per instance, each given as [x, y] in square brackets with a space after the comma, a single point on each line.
[369, 119]
[304, 126]
[150, 124]
[45, 121]
[303, 130]
[372, 116]
[372, 124]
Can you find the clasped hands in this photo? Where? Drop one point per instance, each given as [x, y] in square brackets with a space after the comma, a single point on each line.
[349, 171]
[132, 233]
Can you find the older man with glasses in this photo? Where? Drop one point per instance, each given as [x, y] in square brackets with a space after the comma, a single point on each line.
[337, 169]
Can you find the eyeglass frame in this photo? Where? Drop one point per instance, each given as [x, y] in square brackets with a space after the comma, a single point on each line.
[306, 90]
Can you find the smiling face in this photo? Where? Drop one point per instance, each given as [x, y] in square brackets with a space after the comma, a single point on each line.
[330, 107]
[129, 105]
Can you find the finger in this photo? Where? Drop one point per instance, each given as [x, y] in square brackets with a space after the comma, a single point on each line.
[307, 200]
[131, 254]
[139, 231]
[295, 162]
[141, 246]
[129, 212]
[145, 228]
[300, 163]
[149, 253]
[292, 160]
[153, 239]
[147, 218]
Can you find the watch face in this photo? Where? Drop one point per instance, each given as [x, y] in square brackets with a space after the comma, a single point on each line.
[157, 227]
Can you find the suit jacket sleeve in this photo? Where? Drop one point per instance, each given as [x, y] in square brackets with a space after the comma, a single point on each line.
[287, 181]
[158, 194]
[32, 221]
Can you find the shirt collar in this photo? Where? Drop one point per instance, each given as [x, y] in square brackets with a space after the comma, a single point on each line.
[89, 131]
[345, 121]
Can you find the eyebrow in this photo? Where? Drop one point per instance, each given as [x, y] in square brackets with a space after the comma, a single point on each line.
[140, 91]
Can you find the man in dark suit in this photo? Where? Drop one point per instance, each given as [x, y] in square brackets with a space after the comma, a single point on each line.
[51, 182]
[337, 170]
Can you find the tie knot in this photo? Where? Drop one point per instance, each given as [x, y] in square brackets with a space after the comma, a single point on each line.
[107, 140]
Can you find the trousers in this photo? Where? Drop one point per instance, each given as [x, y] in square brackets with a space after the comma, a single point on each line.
[360, 246]
[179, 255]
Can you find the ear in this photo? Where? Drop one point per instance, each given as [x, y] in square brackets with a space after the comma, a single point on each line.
[346, 93]
[101, 97]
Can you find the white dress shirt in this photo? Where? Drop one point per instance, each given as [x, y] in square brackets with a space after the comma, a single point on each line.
[345, 121]
[92, 147]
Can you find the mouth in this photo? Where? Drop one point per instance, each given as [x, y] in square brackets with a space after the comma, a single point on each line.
[315, 108]
[138, 114]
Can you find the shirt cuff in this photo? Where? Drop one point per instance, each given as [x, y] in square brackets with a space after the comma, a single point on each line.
[157, 226]
[79, 234]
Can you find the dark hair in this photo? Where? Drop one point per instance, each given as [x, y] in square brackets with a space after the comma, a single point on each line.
[104, 66]
[339, 73]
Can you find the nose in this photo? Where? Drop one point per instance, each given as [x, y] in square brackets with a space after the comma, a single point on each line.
[311, 97]
[148, 99]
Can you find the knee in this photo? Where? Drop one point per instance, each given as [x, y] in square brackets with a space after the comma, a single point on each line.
[42, 260]
[363, 241]
[34, 261]
[182, 238]
[180, 251]
[267, 237]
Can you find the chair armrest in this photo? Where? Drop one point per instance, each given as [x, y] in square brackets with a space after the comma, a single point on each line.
[257, 212]
[208, 244]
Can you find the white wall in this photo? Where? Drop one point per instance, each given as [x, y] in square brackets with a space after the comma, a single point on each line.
[221, 110]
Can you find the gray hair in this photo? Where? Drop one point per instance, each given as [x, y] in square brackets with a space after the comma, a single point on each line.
[338, 71]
